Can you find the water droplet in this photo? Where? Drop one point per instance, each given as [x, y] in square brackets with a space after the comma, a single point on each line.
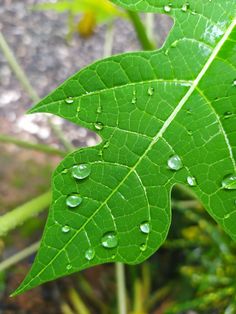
[167, 8]
[73, 200]
[192, 181]
[150, 91]
[143, 247]
[64, 171]
[185, 7]
[89, 254]
[78, 108]
[109, 240]
[229, 182]
[81, 171]
[174, 44]
[175, 163]
[68, 267]
[145, 227]
[98, 126]
[106, 144]
[134, 100]
[234, 83]
[69, 100]
[65, 229]
[190, 132]
[99, 109]
[226, 216]
[227, 114]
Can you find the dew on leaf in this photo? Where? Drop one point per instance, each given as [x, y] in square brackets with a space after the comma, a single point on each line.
[98, 126]
[150, 91]
[185, 7]
[234, 83]
[99, 109]
[68, 267]
[109, 240]
[69, 100]
[65, 229]
[145, 227]
[229, 182]
[81, 171]
[174, 44]
[191, 181]
[167, 8]
[64, 171]
[73, 200]
[227, 114]
[175, 163]
[143, 247]
[89, 254]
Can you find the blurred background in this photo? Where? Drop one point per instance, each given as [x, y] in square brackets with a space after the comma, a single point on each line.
[42, 44]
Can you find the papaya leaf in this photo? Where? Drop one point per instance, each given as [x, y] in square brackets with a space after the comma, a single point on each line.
[164, 117]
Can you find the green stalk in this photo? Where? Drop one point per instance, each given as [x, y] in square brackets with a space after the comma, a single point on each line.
[20, 74]
[38, 147]
[77, 302]
[139, 27]
[14, 259]
[121, 291]
[22, 213]
[109, 36]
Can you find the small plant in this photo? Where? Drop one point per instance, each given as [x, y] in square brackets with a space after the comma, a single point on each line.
[165, 117]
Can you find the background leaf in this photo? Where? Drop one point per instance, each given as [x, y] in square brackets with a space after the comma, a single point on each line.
[164, 117]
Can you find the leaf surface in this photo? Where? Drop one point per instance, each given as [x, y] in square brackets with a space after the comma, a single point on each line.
[165, 117]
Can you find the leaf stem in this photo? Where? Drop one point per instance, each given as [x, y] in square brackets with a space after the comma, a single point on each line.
[22, 78]
[121, 291]
[109, 35]
[139, 27]
[38, 147]
[22, 213]
[14, 259]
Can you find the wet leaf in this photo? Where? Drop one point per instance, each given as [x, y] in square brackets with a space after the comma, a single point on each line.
[161, 117]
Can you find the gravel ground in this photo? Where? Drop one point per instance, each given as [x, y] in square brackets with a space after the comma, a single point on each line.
[38, 41]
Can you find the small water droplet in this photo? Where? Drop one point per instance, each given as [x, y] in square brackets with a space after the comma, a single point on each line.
[185, 7]
[175, 163]
[69, 100]
[78, 108]
[229, 182]
[150, 91]
[191, 181]
[89, 254]
[227, 114]
[134, 100]
[99, 109]
[73, 200]
[109, 240]
[190, 132]
[68, 267]
[167, 8]
[174, 44]
[64, 171]
[81, 171]
[145, 227]
[65, 229]
[106, 144]
[98, 126]
[234, 83]
[226, 216]
[143, 247]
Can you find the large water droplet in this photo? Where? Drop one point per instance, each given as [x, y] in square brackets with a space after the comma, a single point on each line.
[81, 171]
[175, 163]
[69, 100]
[89, 254]
[229, 182]
[109, 240]
[191, 181]
[73, 200]
[150, 91]
[145, 227]
[143, 247]
[98, 126]
[65, 229]
[167, 8]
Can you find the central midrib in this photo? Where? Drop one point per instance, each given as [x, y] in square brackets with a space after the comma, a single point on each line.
[155, 139]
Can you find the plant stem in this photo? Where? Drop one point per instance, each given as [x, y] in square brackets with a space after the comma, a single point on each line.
[108, 40]
[14, 259]
[77, 302]
[150, 25]
[145, 42]
[121, 291]
[38, 147]
[22, 213]
[20, 74]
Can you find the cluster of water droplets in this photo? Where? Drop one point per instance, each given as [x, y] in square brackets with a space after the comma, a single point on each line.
[168, 7]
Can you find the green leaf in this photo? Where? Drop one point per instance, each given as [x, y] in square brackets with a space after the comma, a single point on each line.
[165, 117]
